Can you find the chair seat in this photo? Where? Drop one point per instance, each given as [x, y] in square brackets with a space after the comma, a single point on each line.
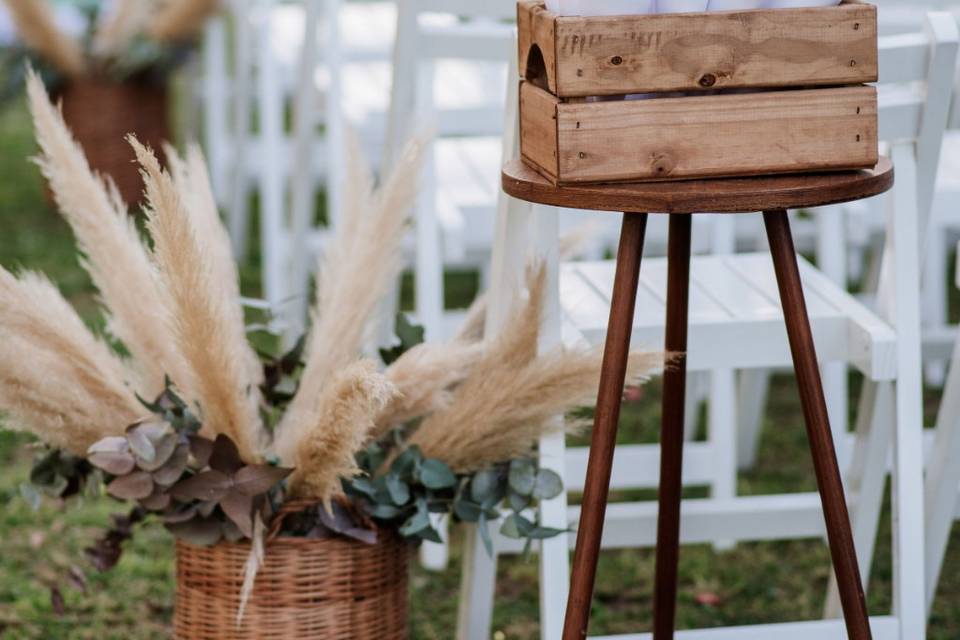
[735, 316]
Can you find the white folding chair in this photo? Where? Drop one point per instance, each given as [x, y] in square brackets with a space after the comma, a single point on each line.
[448, 73]
[288, 56]
[943, 476]
[734, 298]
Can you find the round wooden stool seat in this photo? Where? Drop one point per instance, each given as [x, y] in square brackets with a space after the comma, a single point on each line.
[723, 195]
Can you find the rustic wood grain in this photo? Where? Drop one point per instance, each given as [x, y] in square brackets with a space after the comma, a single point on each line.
[811, 46]
[538, 129]
[705, 136]
[536, 29]
[729, 195]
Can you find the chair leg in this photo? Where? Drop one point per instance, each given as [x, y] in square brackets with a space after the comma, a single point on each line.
[818, 425]
[599, 467]
[671, 429]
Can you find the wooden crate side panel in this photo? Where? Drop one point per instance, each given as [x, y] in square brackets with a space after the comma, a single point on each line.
[712, 136]
[536, 29]
[538, 130]
[818, 46]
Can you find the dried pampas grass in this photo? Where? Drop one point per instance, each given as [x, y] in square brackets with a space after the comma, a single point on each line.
[192, 181]
[127, 20]
[507, 401]
[354, 275]
[114, 254]
[35, 22]
[425, 377]
[181, 19]
[324, 452]
[56, 377]
[502, 418]
[202, 315]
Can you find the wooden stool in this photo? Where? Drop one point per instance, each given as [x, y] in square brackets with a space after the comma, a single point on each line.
[771, 195]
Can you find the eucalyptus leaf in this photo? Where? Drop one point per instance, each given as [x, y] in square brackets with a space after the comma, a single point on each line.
[238, 507]
[518, 502]
[467, 511]
[363, 486]
[164, 448]
[207, 486]
[417, 522]
[140, 444]
[114, 463]
[484, 485]
[255, 479]
[136, 486]
[383, 511]
[182, 515]
[174, 468]
[516, 526]
[110, 444]
[548, 486]
[407, 463]
[430, 534]
[484, 532]
[156, 501]
[523, 476]
[399, 491]
[434, 474]
[542, 533]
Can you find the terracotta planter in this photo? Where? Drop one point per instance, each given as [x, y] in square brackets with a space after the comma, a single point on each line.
[329, 589]
[101, 113]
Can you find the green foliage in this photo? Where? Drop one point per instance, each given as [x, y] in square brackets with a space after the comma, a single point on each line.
[405, 493]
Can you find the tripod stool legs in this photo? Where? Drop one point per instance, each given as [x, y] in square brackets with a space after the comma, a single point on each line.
[607, 415]
[825, 464]
[671, 428]
[600, 464]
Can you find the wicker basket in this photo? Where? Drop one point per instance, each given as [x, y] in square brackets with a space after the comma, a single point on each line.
[101, 113]
[329, 589]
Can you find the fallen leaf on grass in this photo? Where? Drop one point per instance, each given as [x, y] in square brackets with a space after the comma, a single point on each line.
[56, 601]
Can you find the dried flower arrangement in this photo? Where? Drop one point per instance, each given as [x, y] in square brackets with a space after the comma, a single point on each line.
[120, 40]
[196, 429]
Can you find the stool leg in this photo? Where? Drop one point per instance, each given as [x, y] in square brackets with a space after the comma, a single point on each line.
[818, 425]
[600, 463]
[671, 429]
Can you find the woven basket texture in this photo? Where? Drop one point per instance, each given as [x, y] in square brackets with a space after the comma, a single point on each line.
[101, 113]
[330, 589]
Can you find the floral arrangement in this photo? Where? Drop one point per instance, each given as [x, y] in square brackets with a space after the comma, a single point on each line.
[195, 428]
[123, 39]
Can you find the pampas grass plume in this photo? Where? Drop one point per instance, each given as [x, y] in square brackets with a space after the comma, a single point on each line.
[425, 377]
[324, 452]
[56, 377]
[354, 275]
[181, 19]
[35, 22]
[115, 257]
[202, 315]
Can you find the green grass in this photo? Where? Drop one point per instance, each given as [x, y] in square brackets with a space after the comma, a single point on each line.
[753, 583]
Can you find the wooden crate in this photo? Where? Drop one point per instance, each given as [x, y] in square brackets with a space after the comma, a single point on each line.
[780, 91]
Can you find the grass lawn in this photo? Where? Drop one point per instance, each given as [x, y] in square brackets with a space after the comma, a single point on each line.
[753, 583]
